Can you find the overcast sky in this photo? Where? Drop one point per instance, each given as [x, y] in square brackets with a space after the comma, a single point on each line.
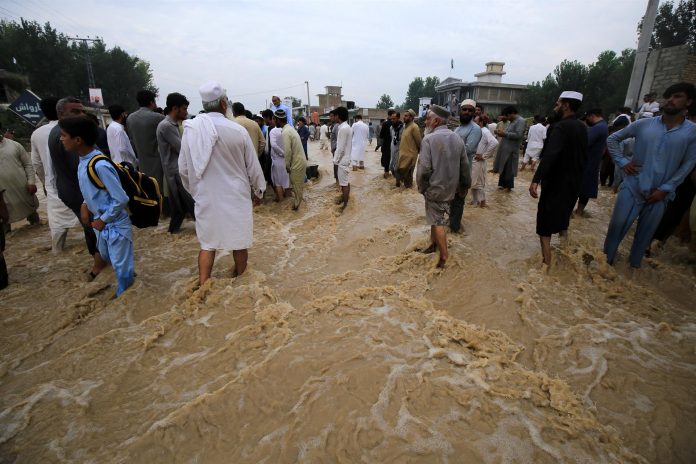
[256, 49]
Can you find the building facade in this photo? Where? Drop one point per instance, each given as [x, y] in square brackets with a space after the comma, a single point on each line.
[488, 90]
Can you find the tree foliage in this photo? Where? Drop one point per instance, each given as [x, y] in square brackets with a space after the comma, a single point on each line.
[385, 102]
[418, 88]
[57, 67]
[675, 24]
[603, 83]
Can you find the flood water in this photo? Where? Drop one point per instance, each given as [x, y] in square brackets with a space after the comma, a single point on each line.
[343, 344]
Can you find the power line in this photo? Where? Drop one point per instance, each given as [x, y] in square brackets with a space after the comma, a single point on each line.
[9, 13]
[88, 58]
[267, 91]
[67, 21]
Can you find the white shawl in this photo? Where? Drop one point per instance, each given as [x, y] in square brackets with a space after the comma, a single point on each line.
[201, 136]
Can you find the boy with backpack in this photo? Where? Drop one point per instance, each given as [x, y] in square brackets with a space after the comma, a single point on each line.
[108, 205]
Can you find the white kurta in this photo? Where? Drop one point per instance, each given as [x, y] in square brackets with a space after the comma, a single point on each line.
[360, 133]
[224, 211]
[120, 145]
[60, 217]
[486, 148]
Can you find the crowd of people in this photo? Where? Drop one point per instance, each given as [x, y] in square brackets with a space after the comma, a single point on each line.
[215, 167]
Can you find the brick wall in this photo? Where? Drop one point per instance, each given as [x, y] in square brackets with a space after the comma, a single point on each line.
[689, 71]
[671, 64]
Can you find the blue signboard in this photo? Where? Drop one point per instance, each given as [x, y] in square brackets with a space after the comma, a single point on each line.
[26, 106]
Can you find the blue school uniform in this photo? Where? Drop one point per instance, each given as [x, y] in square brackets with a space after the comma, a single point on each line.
[115, 242]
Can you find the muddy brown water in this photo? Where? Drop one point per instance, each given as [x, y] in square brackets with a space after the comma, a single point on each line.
[344, 344]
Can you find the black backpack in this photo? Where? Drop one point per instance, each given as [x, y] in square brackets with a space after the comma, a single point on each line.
[144, 197]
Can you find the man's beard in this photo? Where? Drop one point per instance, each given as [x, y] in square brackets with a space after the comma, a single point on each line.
[672, 111]
[228, 113]
[556, 116]
[464, 119]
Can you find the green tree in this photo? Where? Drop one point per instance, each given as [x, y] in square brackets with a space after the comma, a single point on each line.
[418, 88]
[385, 102]
[56, 66]
[603, 83]
[675, 24]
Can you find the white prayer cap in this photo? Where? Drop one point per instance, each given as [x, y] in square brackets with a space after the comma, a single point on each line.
[211, 91]
[570, 95]
[468, 102]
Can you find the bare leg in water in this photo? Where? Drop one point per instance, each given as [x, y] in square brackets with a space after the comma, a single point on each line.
[206, 258]
[99, 264]
[545, 249]
[345, 192]
[440, 240]
[279, 193]
[240, 262]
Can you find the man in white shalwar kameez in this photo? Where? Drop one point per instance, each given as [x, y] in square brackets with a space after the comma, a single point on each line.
[360, 134]
[219, 167]
[60, 217]
[486, 148]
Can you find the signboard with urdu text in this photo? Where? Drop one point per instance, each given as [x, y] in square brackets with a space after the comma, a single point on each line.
[27, 107]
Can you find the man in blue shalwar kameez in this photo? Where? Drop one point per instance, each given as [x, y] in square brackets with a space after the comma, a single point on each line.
[664, 153]
[107, 206]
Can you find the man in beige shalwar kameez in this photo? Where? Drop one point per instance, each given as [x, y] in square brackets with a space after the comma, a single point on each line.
[18, 179]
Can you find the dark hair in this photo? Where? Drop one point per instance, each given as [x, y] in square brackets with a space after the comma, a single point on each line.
[342, 113]
[93, 117]
[625, 110]
[398, 115]
[390, 112]
[595, 112]
[478, 105]
[572, 103]
[267, 113]
[509, 110]
[538, 118]
[357, 116]
[145, 97]
[685, 87]
[302, 120]
[237, 108]
[175, 99]
[332, 112]
[80, 126]
[116, 111]
[48, 108]
[248, 114]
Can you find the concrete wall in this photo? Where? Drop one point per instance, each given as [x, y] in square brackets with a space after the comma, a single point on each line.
[667, 66]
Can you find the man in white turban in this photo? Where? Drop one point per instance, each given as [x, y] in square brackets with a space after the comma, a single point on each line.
[219, 167]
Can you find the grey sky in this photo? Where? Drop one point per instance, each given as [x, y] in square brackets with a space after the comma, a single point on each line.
[259, 48]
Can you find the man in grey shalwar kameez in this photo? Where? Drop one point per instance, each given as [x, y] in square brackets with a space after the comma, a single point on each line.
[169, 143]
[142, 130]
[442, 170]
[508, 157]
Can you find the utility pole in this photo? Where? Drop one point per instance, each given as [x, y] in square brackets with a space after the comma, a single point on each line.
[639, 65]
[88, 59]
[308, 105]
